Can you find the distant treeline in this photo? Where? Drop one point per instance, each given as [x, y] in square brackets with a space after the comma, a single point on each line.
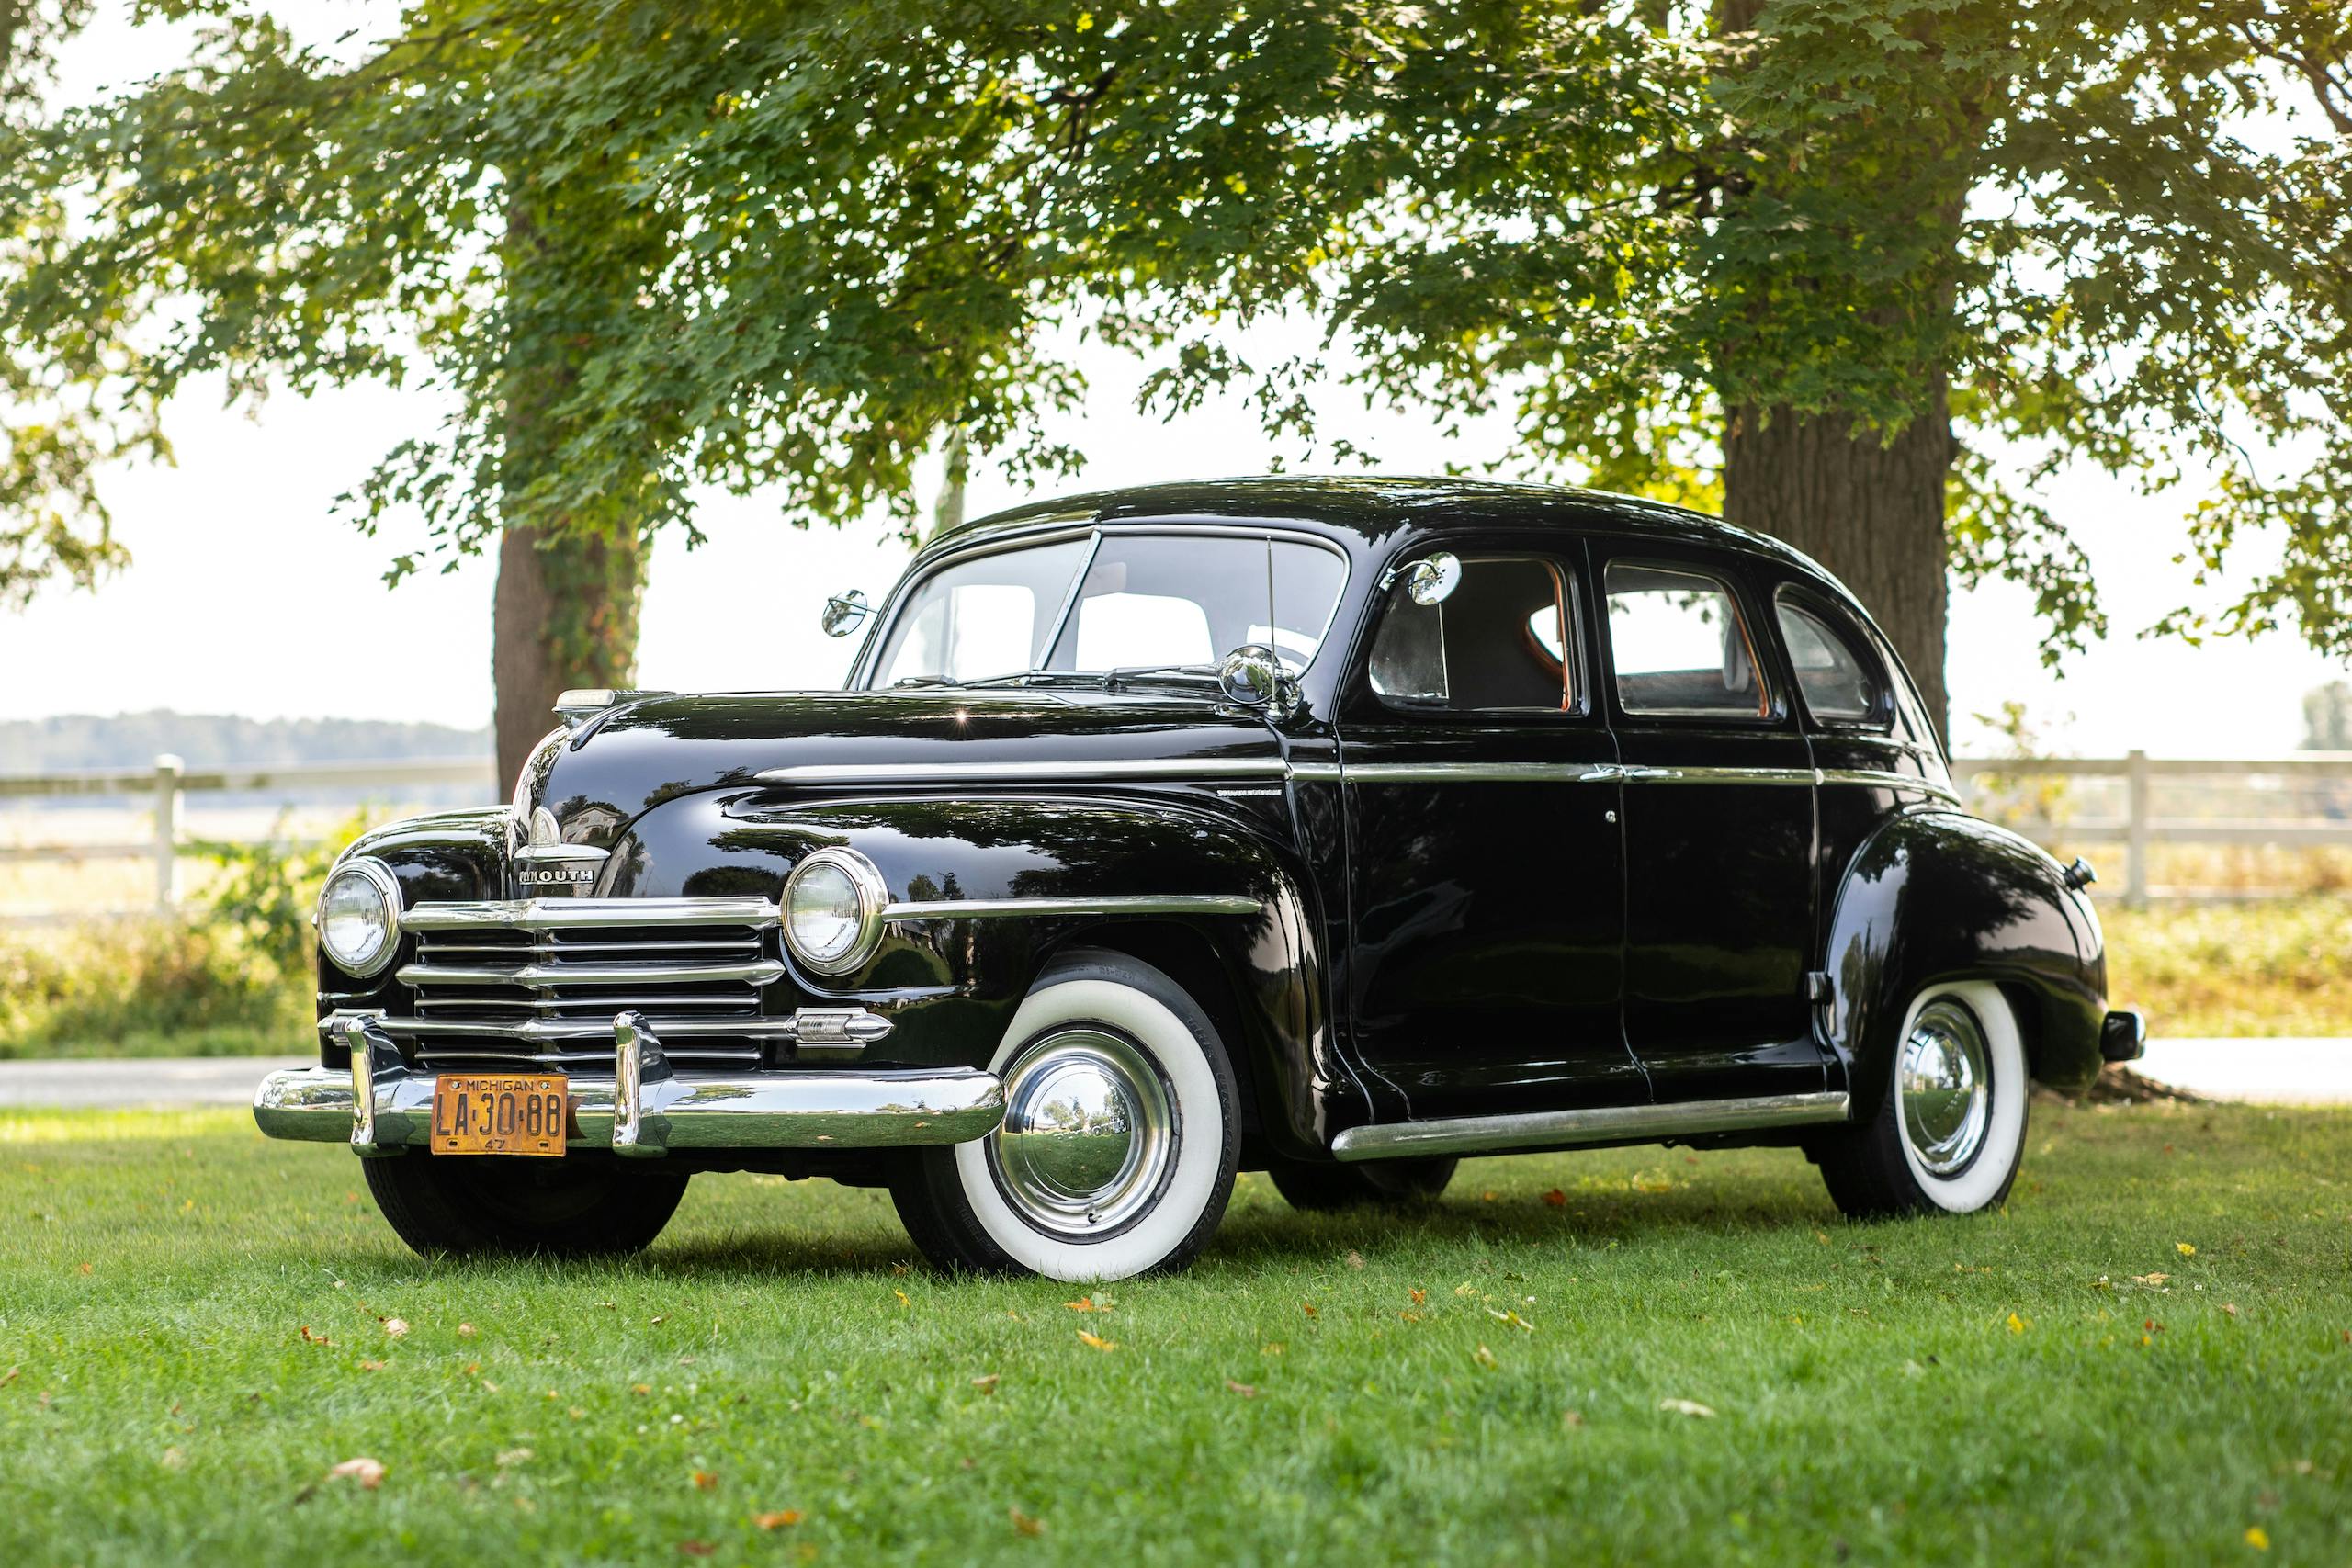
[74, 742]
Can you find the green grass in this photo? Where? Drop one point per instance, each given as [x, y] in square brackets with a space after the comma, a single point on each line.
[1999, 1389]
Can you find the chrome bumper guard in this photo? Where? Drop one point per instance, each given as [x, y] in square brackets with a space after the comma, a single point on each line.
[384, 1107]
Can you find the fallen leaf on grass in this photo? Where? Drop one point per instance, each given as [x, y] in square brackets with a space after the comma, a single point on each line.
[2257, 1538]
[1558, 1199]
[640, 1388]
[2017, 1323]
[1083, 1303]
[2185, 1249]
[2229, 1307]
[366, 1366]
[986, 1383]
[174, 1459]
[509, 1458]
[1512, 1318]
[310, 1339]
[1489, 1196]
[696, 1547]
[1026, 1524]
[1572, 1418]
[368, 1473]
[1096, 1341]
[2149, 1278]
[396, 1326]
[1355, 1259]
[1308, 1308]
[705, 1481]
[1247, 1391]
[1484, 1357]
[1420, 1296]
[782, 1519]
[1686, 1407]
[465, 1331]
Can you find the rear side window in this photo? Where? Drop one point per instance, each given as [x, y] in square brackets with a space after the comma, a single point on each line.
[1840, 682]
[1681, 647]
[1499, 642]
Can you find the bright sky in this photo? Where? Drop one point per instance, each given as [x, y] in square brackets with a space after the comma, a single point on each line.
[245, 595]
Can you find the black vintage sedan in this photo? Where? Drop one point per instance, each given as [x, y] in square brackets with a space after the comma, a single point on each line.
[1338, 828]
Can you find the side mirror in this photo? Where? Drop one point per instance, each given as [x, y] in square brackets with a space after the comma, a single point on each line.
[1429, 580]
[1250, 676]
[845, 612]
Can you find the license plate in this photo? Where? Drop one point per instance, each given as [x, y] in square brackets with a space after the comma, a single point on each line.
[499, 1113]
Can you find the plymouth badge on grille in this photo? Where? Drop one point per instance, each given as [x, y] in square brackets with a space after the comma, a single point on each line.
[545, 863]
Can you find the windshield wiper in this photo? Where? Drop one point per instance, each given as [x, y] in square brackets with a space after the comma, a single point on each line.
[1187, 672]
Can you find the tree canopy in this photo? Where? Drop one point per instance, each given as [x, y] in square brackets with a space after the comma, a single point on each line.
[796, 245]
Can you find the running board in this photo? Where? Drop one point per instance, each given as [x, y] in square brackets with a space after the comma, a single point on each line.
[1604, 1124]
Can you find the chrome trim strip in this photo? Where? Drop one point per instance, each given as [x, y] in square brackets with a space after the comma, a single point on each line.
[571, 914]
[1880, 778]
[536, 975]
[1467, 773]
[1106, 904]
[828, 1107]
[1635, 775]
[1075, 772]
[1543, 1129]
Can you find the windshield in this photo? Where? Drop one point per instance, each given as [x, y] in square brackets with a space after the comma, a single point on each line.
[1145, 602]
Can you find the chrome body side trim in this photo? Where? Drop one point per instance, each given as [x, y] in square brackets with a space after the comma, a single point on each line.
[1878, 778]
[1544, 1129]
[573, 914]
[1722, 775]
[1119, 770]
[1106, 904]
[1464, 772]
[830, 1108]
[561, 854]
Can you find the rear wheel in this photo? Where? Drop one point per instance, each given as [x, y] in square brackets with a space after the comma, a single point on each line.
[566, 1208]
[1322, 1186]
[1120, 1136]
[1951, 1133]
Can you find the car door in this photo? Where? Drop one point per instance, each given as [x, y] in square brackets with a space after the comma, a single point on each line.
[1719, 830]
[1484, 869]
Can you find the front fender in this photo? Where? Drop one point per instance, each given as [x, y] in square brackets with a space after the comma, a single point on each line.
[1936, 895]
[950, 984]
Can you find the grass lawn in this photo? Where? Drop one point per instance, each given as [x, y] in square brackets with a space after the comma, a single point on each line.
[193, 1331]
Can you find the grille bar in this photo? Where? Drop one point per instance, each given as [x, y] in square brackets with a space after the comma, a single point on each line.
[540, 977]
[574, 914]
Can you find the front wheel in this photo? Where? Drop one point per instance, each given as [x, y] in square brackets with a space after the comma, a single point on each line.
[1120, 1136]
[1951, 1130]
[566, 1208]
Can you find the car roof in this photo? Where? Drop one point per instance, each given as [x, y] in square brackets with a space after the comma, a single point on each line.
[1368, 509]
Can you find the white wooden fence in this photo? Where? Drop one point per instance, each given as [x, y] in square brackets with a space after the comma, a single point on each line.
[168, 784]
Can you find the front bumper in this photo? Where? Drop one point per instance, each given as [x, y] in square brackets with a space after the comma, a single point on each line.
[382, 1106]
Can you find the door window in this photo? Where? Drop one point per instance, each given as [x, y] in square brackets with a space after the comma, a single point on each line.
[1681, 647]
[1837, 681]
[1499, 642]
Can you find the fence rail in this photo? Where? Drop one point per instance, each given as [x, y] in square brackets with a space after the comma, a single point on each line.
[168, 782]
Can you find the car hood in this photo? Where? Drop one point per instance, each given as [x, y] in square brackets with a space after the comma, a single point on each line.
[601, 776]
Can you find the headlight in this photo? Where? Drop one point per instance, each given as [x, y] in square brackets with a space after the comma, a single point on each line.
[832, 910]
[360, 917]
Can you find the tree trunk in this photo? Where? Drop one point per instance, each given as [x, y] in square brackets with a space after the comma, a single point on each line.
[565, 615]
[1870, 511]
[569, 587]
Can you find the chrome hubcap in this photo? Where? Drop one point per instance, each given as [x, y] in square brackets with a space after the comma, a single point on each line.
[1088, 1135]
[1945, 1080]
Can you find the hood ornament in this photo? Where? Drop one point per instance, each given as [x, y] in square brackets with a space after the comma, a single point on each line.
[543, 860]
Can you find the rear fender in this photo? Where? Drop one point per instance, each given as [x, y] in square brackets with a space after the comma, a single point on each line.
[1935, 895]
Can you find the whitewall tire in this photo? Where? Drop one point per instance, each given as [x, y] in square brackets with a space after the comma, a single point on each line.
[1121, 1136]
[1950, 1131]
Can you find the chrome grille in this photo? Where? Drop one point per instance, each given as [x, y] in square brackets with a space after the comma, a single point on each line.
[539, 981]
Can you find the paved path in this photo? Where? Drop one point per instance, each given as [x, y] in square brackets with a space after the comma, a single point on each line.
[2281, 1072]
[171, 1083]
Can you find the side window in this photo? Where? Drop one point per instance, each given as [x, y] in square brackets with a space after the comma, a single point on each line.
[1841, 683]
[1499, 642]
[1681, 647]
